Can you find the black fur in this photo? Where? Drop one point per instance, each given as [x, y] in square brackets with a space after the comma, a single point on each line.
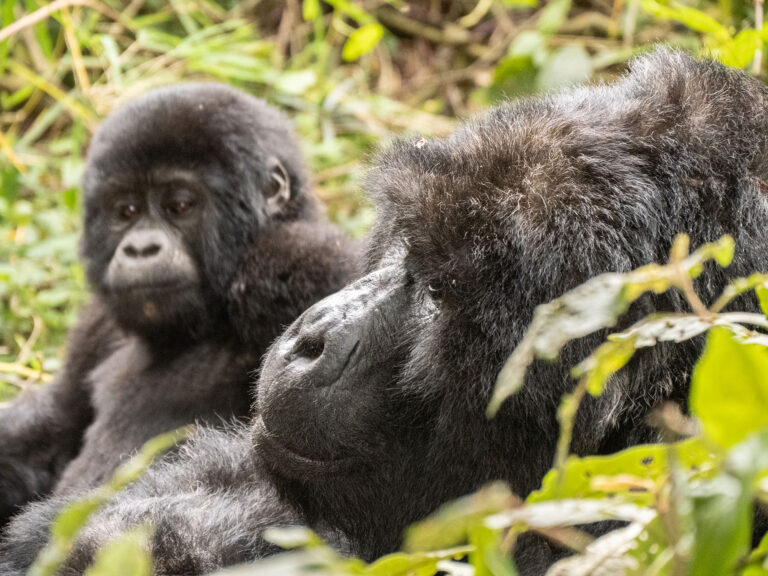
[249, 267]
[372, 404]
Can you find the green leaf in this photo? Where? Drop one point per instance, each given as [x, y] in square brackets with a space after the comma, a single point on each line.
[572, 512]
[418, 564]
[629, 474]
[757, 565]
[694, 19]
[488, 558]
[605, 555]
[729, 388]
[529, 43]
[292, 537]
[519, 3]
[568, 66]
[296, 82]
[353, 10]
[722, 513]
[451, 524]
[362, 41]
[609, 358]
[126, 556]
[738, 287]
[552, 16]
[741, 50]
[594, 305]
[311, 10]
[614, 354]
[762, 295]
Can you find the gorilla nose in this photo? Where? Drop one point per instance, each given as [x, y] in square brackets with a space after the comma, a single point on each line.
[144, 244]
[309, 347]
[319, 348]
[323, 343]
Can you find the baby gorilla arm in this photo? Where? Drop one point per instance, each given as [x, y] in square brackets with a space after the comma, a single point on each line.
[42, 430]
[208, 506]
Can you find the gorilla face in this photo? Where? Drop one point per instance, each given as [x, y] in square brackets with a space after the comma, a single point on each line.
[173, 199]
[328, 372]
[374, 400]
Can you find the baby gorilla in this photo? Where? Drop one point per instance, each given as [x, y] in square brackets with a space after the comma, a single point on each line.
[372, 405]
[202, 241]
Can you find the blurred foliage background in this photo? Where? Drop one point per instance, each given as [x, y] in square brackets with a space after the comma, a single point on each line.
[349, 73]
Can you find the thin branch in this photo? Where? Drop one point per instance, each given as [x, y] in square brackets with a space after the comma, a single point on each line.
[46, 11]
[13, 368]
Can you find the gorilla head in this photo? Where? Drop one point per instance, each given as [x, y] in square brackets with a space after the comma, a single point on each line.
[179, 183]
[372, 404]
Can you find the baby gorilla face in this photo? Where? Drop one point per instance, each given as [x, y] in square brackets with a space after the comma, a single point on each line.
[151, 227]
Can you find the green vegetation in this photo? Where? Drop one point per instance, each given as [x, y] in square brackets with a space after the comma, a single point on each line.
[351, 74]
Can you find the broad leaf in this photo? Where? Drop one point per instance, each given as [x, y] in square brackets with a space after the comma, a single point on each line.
[729, 388]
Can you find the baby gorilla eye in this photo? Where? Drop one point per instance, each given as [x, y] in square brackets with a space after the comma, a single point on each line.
[178, 207]
[128, 212]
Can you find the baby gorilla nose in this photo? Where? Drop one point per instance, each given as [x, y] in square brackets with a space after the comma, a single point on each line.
[150, 259]
[144, 244]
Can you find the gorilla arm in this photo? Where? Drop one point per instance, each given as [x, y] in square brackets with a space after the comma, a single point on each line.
[42, 429]
[207, 505]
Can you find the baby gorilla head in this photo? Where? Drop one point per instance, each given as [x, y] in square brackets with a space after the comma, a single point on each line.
[177, 184]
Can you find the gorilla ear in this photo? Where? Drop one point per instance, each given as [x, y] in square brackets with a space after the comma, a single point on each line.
[277, 192]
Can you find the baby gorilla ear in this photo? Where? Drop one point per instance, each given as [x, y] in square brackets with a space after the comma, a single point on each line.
[277, 192]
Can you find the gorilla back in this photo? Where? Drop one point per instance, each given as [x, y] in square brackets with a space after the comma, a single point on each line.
[201, 241]
[372, 405]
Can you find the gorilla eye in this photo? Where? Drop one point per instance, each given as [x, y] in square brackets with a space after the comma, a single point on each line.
[436, 290]
[128, 211]
[178, 207]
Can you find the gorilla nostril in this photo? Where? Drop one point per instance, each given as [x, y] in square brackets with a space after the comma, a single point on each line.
[308, 347]
[150, 250]
[147, 251]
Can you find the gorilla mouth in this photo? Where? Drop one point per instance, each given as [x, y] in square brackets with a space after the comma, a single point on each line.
[160, 287]
[292, 464]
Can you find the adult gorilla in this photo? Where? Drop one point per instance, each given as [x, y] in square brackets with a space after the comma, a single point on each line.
[372, 404]
[202, 242]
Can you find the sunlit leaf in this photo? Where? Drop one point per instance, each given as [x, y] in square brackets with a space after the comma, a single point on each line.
[450, 525]
[762, 295]
[729, 388]
[127, 556]
[553, 15]
[631, 473]
[362, 41]
[488, 557]
[420, 564]
[574, 512]
[311, 10]
[741, 50]
[691, 17]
